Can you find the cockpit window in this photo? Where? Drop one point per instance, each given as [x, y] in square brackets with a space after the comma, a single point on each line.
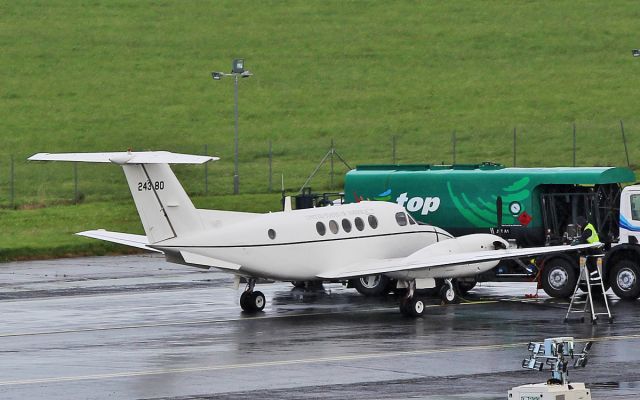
[321, 228]
[346, 225]
[401, 218]
[411, 220]
[373, 221]
[333, 226]
[359, 223]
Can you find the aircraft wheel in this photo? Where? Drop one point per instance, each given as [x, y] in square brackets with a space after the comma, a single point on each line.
[465, 285]
[404, 309]
[299, 284]
[245, 301]
[448, 295]
[372, 285]
[415, 307]
[257, 301]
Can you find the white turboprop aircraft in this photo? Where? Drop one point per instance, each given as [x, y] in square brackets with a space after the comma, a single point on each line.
[321, 244]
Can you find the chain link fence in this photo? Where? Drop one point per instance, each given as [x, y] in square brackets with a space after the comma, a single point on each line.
[271, 166]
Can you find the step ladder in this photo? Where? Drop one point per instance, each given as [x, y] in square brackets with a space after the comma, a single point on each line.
[591, 280]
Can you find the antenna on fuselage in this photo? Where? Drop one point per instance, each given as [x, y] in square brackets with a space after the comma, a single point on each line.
[286, 200]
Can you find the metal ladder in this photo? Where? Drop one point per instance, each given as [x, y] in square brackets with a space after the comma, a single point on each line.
[591, 280]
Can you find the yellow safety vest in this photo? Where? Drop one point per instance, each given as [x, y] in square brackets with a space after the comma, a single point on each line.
[594, 235]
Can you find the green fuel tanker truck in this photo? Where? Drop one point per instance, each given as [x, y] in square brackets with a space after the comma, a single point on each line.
[527, 206]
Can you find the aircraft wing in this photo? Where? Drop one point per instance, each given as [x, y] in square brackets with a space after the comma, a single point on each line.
[426, 260]
[128, 239]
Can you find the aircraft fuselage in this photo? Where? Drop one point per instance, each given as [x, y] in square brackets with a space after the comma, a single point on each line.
[290, 246]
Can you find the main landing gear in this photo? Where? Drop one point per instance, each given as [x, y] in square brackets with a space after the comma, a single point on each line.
[251, 301]
[449, 293]
[412, 306]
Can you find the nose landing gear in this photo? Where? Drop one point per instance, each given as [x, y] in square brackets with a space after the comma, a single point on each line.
[251, 301]
[409, 304]
[412, 306]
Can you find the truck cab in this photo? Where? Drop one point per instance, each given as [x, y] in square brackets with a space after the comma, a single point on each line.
[622, 259]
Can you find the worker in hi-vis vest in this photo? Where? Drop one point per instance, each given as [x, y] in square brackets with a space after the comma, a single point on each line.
[589, 235]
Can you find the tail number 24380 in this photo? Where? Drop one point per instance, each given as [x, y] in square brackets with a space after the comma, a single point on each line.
[148, 185]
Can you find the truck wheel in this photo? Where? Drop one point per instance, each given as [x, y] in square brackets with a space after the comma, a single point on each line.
[372, 285]
[625, 280]
[559, 278]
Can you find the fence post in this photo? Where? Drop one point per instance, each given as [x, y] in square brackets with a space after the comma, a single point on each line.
[574, 144]
[332, 151]
[393, 149]
[206, 171]
[514, 146]
[453, 143]
[75, 182]
[270, 167]
[624, 140]
[12, 184]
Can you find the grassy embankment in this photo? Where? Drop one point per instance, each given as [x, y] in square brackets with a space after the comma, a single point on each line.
[96, 76]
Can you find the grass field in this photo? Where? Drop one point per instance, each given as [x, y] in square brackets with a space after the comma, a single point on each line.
[112, 75]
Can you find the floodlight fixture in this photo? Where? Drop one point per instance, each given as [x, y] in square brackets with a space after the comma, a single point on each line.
[536, 348]
[635, 52]
[581, 362]
[532, 363]
[237, 67]
[237, 70]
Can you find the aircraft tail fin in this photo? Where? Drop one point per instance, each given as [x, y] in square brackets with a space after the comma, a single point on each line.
[165, 209]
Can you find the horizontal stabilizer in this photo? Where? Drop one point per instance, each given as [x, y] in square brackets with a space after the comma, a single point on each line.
[127, 239]
[125, 157]
[374, 267]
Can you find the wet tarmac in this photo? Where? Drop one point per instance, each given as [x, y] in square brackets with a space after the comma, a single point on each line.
[137, 327]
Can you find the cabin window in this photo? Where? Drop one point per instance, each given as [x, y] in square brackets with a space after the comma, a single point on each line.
[333, 226]
[359, 223]
[321, 228]
[373, 221]
[346, 225]
[401, 219]
[271, 233]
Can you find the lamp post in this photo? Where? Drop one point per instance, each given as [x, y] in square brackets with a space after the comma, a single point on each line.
[237, 71]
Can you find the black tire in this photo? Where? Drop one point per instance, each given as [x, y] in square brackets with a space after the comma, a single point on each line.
[559, 278]
[449, 295]
[299, 284]
[404, 309]
[465, 285]
[245, 301]
[625, 280]
[258, 301]
[372, 285]
[414, 307]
